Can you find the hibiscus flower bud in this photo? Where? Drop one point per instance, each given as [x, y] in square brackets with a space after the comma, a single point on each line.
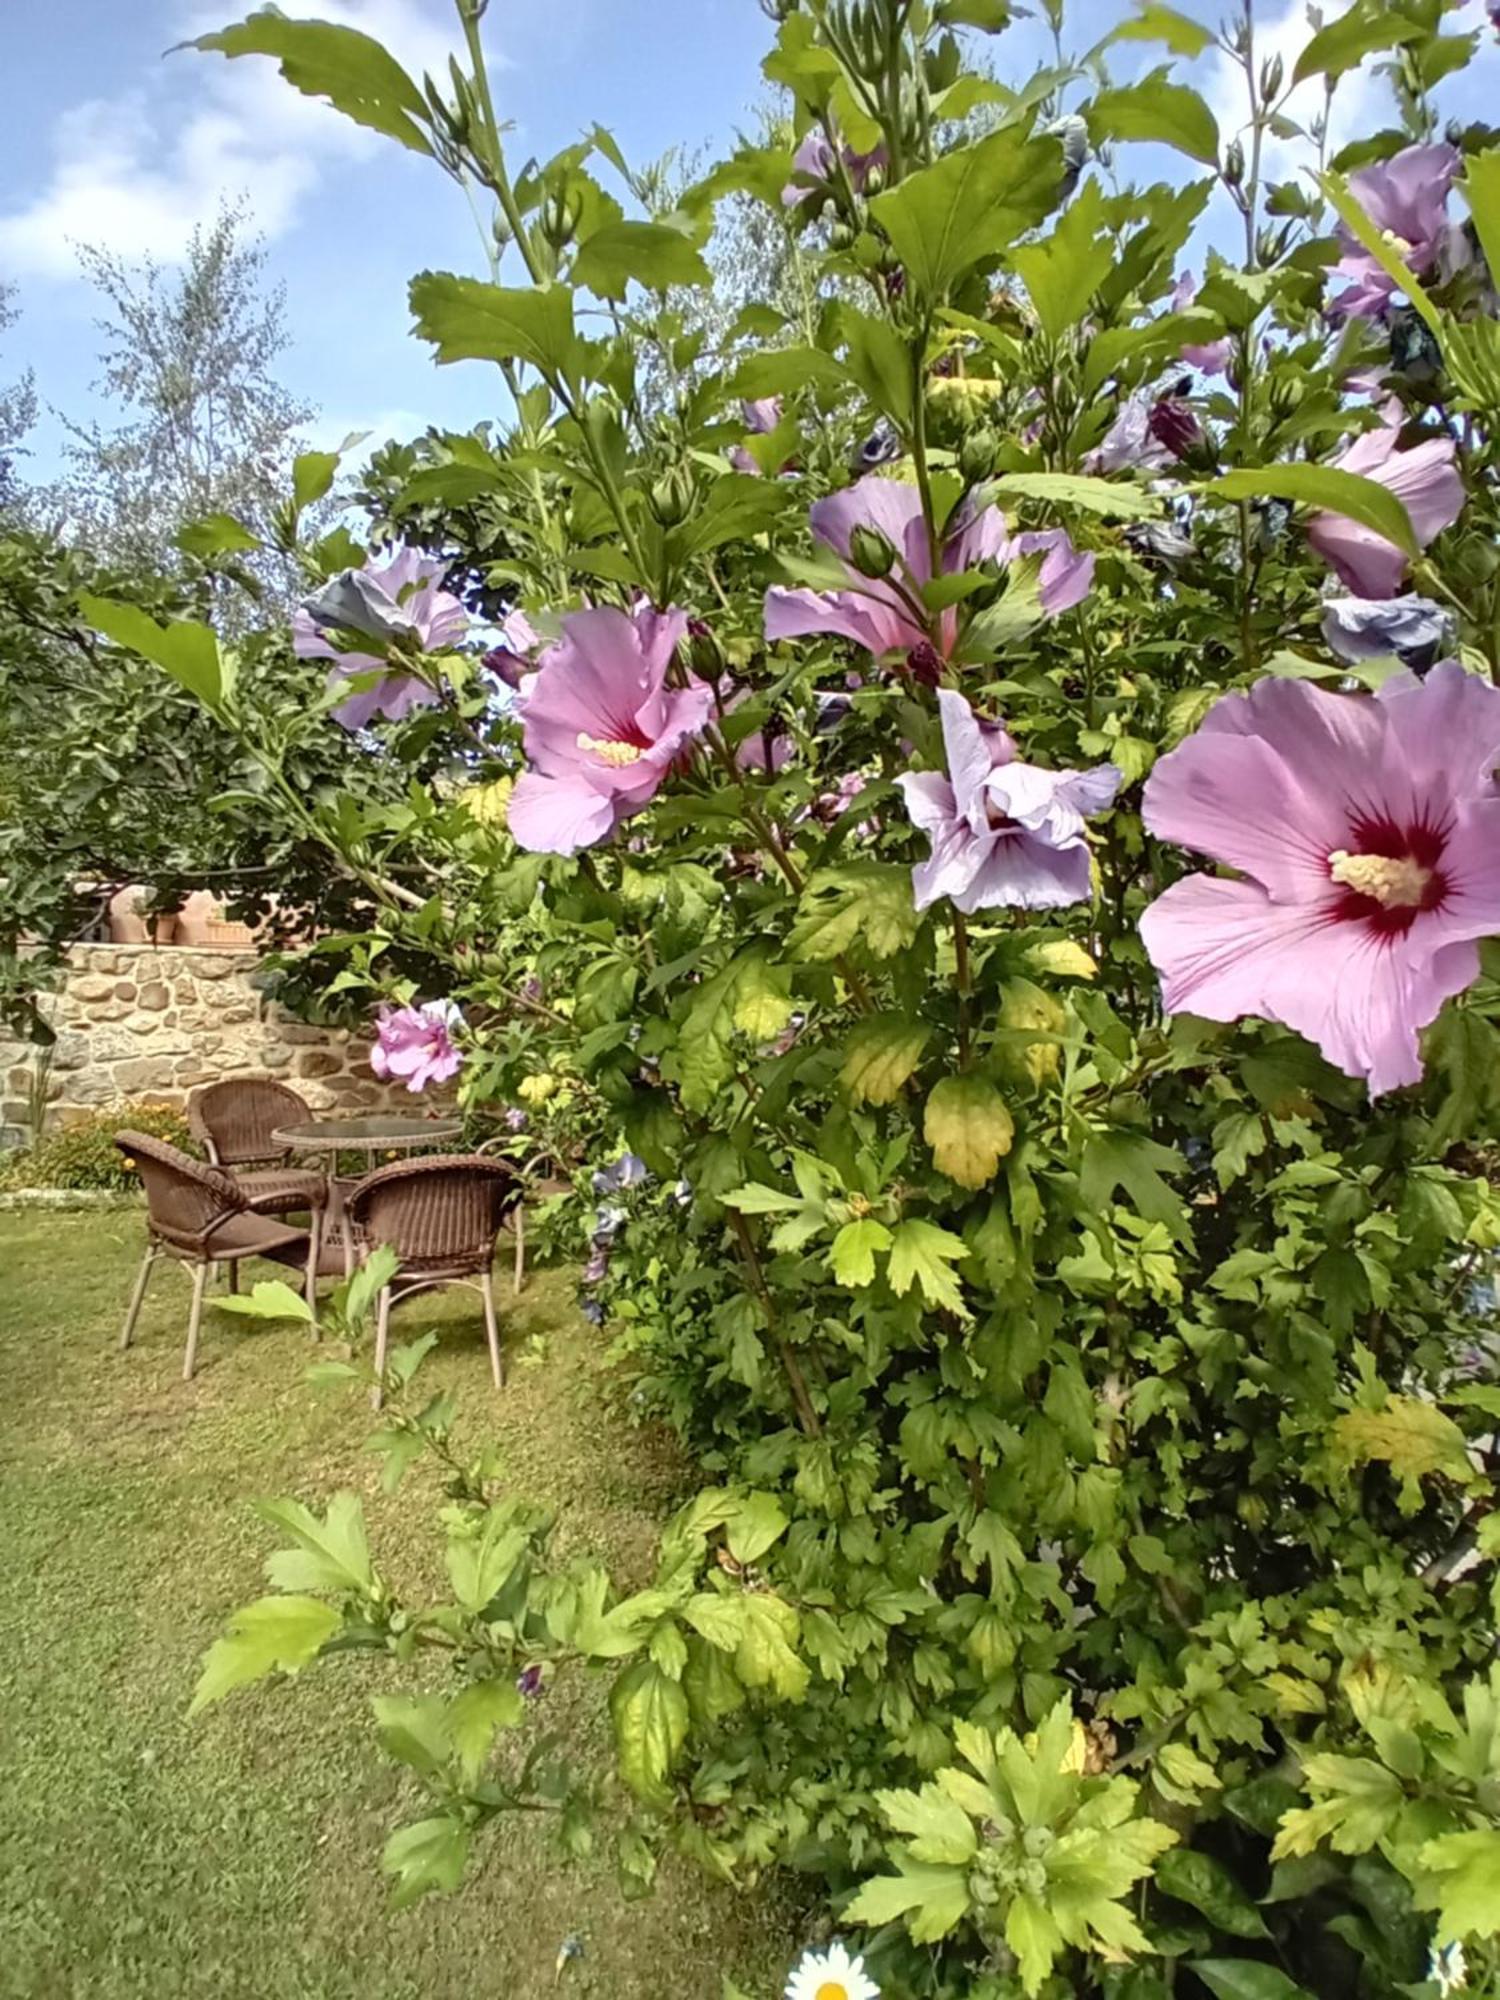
[872, 553]
[976, 455]
[672, 496]
[559, 219]
[1174, 423]
[1233, 170]
[1271, 75]
[923, 664]
[705, 654]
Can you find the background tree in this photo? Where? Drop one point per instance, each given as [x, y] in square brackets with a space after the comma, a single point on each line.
[17, 411]
[190, 354]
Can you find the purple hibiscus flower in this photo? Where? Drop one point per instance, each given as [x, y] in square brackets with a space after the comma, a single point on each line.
[1209, 357]
[1129, 443]
[1366, 833]
[1415, 629]
[602, 728]
[401, 599]
[761, 414]
[884, 614]
[1424, 479]
[416, 1044]
[1407, 200]
[813, 164]
[1003, 833]
[514, 659]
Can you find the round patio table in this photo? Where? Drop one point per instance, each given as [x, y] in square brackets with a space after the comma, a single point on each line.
[379, 1133]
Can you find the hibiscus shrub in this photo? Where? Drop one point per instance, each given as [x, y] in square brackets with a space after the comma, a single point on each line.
[986, 788]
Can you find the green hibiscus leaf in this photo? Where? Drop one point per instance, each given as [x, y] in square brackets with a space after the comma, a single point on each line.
[1157, 109]
[852, 1255]
[277, 1634]
[426, 1858]
[923, 1254]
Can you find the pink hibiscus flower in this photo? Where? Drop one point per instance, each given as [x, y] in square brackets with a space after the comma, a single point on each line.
[1367, 833]
[1427, 483]
[416, 1043]
[601, 727]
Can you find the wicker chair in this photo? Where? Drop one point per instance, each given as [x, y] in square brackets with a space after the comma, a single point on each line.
[234, 1121]
[441, 1216]
[200, 1216]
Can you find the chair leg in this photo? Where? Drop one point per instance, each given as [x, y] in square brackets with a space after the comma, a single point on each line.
[195, 1320]
[518, 1218]
[142, 1279]
[382, 1331]
[234, 1274]
[492, 1330]
[314, 1248]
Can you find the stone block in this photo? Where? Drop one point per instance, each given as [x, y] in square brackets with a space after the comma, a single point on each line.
[126, 989]
[72, 1051]
[148, 1073]
[300, 1035]
[93, 986]
[91, 1087]
[153, 996]
[316, 1062]
[209, 965]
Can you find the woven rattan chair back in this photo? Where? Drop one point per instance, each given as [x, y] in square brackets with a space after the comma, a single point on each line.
[235, 1119]
[440, 1215]
[184, 1197]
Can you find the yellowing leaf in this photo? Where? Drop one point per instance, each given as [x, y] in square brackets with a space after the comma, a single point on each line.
[488, 805]
[650, 1716]
[869, 900]
[968, 1128]
[1413, 1437]
[765, 1656]
[1062, 957]
[881, 1056]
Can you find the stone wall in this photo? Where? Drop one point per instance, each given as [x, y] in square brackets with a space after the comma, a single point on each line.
[141, 1021]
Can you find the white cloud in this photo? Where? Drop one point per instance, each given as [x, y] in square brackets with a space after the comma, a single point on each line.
[138, 172]
[329, 432]
[1362, 103]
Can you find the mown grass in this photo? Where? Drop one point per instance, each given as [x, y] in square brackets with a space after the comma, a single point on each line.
[238, 1855]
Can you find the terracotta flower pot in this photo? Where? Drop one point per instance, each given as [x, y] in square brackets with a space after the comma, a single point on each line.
[128, 925]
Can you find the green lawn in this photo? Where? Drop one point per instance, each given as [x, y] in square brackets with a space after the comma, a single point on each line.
[238, 1855]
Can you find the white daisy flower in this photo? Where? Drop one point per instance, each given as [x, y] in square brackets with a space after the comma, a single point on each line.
[1448, 1968]
[831, 1975]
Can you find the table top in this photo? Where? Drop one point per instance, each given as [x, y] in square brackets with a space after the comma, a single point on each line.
[389, 1132]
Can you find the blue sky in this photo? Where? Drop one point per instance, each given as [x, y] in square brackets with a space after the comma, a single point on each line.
[123, 146]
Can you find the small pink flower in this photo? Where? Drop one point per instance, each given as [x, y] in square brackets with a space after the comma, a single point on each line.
[602, 728]
[1366, 831]
[813, 164]
[416, 1043]
[1424, 479]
